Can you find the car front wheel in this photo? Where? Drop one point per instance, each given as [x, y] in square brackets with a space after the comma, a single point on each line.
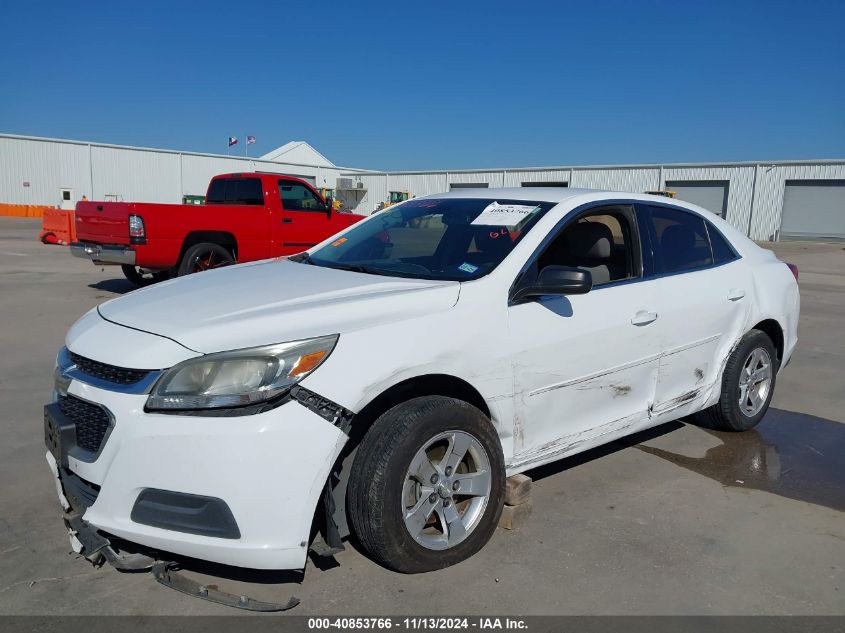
[427, 484]
[748, 383]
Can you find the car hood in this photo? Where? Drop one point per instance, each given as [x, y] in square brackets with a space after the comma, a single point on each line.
[273, 301]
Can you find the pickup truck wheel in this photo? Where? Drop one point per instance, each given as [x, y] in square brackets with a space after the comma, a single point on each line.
[427, 485]
[139, 277]
[204, 256]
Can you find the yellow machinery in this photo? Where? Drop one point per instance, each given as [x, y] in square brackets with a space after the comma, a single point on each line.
[395, 198]
[329, 193]
[664, 192]
[398, 196]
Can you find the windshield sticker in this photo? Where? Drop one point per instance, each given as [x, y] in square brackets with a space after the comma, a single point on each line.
[467, 268]
[496, 214]
[339, 242]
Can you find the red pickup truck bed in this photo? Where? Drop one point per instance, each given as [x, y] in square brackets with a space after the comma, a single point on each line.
[246, 217]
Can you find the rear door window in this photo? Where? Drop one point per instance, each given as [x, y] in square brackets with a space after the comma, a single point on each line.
[722, 251]
[679, 240]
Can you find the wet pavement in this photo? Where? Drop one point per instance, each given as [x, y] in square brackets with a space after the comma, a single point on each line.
[788, 454]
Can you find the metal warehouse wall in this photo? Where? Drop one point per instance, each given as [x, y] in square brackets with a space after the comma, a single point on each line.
[136, 174]
[152, 175]
[768, 198]
[760, 186]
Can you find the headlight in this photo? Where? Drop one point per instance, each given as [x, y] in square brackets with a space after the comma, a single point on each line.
[238, 378]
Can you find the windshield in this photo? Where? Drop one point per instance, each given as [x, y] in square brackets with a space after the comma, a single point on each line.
[442, 238]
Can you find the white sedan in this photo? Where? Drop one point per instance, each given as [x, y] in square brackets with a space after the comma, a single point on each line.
[387, 381]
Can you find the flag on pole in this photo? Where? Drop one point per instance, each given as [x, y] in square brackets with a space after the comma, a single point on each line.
[233, 140]
[250, 140]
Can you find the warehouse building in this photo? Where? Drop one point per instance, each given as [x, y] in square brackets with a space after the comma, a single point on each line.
[58, 172]
[767, 200]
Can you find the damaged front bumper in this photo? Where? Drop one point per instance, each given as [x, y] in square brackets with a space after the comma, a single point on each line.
[267, 470]
[94, 547]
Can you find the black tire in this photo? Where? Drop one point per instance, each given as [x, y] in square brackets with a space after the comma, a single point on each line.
[134, 274]
[727, 414]
[203, 256]
[376, 483]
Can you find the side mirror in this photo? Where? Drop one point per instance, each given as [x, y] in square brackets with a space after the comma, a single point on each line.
[556, 280]
[329, 204]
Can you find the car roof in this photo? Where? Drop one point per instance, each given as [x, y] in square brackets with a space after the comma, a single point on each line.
[561, 194]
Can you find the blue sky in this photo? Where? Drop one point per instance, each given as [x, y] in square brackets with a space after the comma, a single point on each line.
[437, 84]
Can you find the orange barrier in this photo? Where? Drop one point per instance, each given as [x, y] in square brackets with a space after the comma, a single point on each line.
[58, 227]
[23, 210]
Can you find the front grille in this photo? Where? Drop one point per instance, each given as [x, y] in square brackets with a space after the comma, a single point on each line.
[109, 373]
[91, 422]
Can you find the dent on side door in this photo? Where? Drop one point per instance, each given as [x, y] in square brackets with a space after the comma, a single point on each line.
[582, 370]
[700, 322]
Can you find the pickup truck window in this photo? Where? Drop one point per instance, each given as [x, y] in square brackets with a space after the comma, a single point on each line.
[298, 197]
[442, 238]
[235, 191]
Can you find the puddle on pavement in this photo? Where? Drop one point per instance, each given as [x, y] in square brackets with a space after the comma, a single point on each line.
[789, 454]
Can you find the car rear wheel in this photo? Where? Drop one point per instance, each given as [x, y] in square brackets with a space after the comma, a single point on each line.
[204, 256]
[748, 383]
[427, 485]
[142, 277]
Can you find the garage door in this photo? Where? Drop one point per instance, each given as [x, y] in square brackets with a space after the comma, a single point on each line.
[710, 194]
[545, 183]
[469, 185]
[813, 210]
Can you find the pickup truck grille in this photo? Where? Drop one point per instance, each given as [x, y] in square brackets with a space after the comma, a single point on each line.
[109, 373]
[91, 421]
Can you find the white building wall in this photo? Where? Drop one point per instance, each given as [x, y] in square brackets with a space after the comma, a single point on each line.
[628, 179]
[740, 185]
[376, 189]
[132, 174]
[152, 175]
[418, 184]
[46, 166]
[492, 178]
[768, 197]
[515, 178]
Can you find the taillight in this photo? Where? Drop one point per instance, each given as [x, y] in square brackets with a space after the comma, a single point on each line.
[137, 233]
[793, 269]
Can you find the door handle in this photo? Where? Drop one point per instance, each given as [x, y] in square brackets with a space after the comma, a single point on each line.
[643, 318]
[735, 294]
[287, 220]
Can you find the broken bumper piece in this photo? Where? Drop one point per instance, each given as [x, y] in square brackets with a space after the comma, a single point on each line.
[97, 549]
[166, 573]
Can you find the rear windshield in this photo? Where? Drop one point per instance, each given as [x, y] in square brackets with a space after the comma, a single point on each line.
[443, 238]
[235, 191]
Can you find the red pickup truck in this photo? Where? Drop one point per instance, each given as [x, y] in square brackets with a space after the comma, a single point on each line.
[245, 217]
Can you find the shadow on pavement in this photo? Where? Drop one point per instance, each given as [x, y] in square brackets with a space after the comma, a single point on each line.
[117, 286]
[559, 466]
